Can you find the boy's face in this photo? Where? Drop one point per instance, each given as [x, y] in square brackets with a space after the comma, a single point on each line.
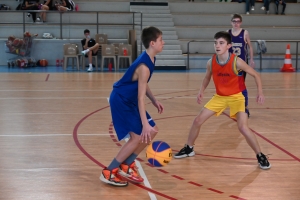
[158, 45]
[221, 46]
[236, 23]
[87, 35]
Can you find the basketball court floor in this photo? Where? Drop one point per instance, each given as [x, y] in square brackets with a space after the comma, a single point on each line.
[56, 135]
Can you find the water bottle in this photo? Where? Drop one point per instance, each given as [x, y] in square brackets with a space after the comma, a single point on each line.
[57, 62]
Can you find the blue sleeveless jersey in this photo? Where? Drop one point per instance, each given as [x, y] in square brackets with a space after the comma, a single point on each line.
[128, 88]
[124, 101]
[239, 46]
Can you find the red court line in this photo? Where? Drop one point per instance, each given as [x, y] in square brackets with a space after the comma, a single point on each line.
[178, 177]
[163, 171]
[236, 197]
[237, 158]
[75, 137]
[269, 141]
[193, 183]
[214, 190]
[47, 77]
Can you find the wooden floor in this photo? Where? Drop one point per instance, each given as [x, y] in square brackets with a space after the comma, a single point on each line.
[56, 135]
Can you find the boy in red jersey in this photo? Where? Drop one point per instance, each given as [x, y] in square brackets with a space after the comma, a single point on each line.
[224, 67]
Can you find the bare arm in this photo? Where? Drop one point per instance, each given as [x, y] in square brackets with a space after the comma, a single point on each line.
[243, 66]
[64, 4]
[205, 82]
[47, 3]
[142, 75]
[86, 43]
[247, 38]
[156, 103]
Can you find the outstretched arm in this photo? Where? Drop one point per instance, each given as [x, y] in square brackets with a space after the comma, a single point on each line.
[243, 66]
[205, 82]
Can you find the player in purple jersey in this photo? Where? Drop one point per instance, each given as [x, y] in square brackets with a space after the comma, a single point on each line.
[240, 44]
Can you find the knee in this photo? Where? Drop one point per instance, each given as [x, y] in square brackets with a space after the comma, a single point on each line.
[242, 128]
[197, 122]
[97, 45]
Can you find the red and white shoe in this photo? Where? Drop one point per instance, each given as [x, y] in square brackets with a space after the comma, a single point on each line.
[111, 177]
[130, 172]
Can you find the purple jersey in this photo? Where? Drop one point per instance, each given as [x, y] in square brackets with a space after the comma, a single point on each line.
[239, 45]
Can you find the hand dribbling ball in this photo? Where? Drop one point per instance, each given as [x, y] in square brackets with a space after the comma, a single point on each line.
[159, 153]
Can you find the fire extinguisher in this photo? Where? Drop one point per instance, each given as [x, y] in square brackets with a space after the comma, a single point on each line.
[109, 66]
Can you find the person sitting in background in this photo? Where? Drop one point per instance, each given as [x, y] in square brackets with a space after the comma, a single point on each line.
[48, 5]
[248, 2]
[66, 5]
[266, 6]
[282, 2]
[31, 5]
[90, 48]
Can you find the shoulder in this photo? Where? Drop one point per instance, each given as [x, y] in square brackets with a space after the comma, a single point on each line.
[246, 33]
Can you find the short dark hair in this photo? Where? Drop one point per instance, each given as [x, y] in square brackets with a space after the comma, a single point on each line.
[225, 35]
[86, 31]
[236, 15]
[150, 34]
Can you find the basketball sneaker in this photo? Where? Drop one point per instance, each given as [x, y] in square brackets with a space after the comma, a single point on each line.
[90, 69]
[111, 177]
[186, 151]
[130, 172]
[83, 52]
[263, 161]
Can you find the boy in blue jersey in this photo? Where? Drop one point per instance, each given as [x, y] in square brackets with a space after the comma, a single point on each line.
[130, 118]
[240, 43]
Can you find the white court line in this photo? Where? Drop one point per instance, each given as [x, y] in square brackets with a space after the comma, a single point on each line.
[142, 173]
[52, 135]
[208, 96]
[154, 89]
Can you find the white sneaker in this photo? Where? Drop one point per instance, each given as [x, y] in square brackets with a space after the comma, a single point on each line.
[263, 8]
[83, 52]
[252, 8]
[38, 19]
[90, 69]
[247, 13]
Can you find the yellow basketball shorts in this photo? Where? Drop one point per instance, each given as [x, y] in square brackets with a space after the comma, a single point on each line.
[235, 102]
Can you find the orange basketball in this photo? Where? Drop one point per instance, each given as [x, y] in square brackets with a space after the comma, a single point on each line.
[43, 62]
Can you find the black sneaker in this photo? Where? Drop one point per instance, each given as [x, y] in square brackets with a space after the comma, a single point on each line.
[263, 161]
[186, 151]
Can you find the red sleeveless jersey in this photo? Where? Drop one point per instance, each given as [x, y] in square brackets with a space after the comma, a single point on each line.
[226, 77]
